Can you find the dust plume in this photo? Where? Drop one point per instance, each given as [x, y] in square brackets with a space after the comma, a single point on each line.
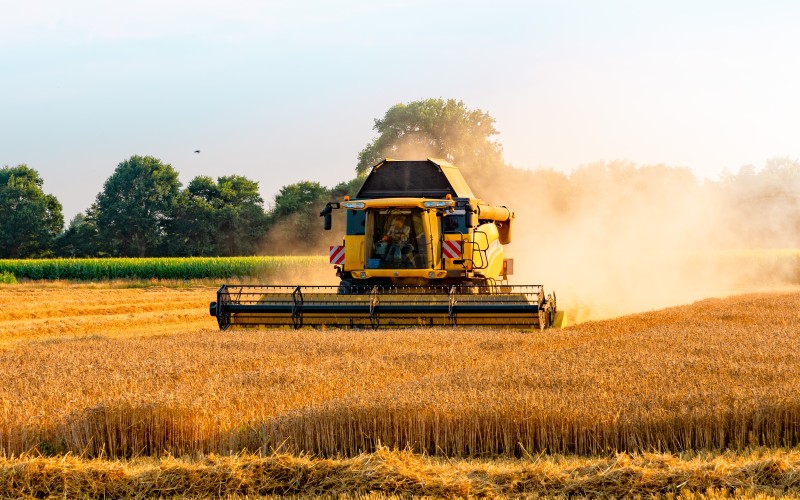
[301, 234]
[414, 146]
[613, 238]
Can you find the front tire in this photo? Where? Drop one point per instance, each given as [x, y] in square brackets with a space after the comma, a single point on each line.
[345, 287]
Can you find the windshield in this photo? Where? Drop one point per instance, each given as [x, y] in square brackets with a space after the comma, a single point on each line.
[396, 240]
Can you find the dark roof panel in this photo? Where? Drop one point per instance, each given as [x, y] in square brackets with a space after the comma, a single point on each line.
[408, 179]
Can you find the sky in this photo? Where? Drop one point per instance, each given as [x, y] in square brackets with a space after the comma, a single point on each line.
[286, 91]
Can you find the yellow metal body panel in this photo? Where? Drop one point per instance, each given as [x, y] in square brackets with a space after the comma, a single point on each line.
[489, 212]
[492, 254]
[502, 217]
[353, 251]
[435, 237]
[396, 203]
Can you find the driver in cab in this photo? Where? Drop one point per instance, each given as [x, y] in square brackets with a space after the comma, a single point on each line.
[398, 232]
[397, 236]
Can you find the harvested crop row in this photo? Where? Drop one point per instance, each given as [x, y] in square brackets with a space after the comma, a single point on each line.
[384, 472]
[67, 312]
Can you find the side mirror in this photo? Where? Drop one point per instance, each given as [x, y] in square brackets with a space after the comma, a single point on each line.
[470, 213]
[326, 213]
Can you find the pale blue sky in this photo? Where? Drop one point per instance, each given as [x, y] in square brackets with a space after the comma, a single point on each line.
[287, 91]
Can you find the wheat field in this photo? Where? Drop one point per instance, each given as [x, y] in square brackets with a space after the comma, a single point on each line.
[109, 373]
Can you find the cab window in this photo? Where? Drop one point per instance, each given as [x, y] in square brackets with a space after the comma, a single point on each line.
[397, 240]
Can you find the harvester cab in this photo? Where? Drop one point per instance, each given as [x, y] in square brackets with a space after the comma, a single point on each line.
[417, 223]
[418, 249]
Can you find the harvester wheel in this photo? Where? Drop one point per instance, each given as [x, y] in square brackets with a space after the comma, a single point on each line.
[345, 287]
[223, 313]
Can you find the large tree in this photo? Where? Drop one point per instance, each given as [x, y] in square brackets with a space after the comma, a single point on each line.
[222, 217]
[135, 207]
[29, 218]
[434, 128]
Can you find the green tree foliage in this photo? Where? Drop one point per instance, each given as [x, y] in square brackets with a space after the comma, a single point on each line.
[434, 128]
[295, 225]
[298, 197]
[225, 217]
[348, 188]
[81, 237]
[134, 208]
[29, 218]
[193, 230]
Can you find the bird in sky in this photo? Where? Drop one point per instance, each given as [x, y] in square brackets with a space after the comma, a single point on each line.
[196, 150]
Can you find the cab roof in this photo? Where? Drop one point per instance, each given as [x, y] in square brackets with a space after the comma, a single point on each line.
[431, 178]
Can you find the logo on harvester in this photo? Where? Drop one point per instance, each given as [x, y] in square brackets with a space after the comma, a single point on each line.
[451, 249]
[337, 255]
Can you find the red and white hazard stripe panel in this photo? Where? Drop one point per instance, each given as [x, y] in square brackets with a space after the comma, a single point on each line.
[337, 255]
[451, 249]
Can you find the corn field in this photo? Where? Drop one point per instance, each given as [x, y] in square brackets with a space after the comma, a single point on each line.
[166, 268]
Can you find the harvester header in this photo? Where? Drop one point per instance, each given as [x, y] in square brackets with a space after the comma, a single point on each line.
[418, 249]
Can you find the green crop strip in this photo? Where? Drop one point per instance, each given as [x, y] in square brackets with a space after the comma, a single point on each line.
[167, 268]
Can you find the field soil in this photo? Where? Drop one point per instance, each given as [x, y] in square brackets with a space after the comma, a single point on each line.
[110, 373]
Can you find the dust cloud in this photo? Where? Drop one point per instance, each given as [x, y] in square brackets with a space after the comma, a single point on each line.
[613, 238]
[413, 147]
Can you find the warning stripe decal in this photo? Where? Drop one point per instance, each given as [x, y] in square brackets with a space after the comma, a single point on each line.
[337, 255]
[451, 249]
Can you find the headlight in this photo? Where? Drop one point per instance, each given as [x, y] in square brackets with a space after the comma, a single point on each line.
[354, 205]
[438, 204]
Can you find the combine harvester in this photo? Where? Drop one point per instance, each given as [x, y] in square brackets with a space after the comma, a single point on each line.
[419, 250]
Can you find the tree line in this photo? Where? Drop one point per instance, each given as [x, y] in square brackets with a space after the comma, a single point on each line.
[144, 211]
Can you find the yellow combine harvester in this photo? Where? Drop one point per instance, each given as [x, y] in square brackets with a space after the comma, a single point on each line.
[419, 249]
